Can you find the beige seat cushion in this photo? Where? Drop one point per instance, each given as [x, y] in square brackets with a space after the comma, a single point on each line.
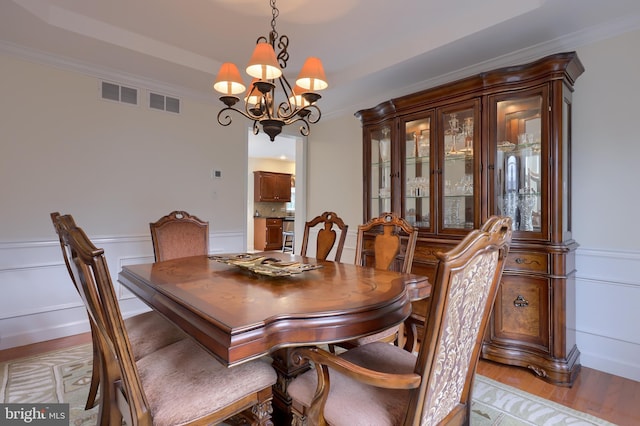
[183, 382]
[354, 403]
[150, 331]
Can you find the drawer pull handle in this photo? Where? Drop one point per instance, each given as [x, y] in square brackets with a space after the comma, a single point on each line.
[520, 302]
[521, 261]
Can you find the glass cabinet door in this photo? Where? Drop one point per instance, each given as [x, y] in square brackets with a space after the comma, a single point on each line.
[459, 130]
[380, 182]
[518, 176]
[417, 172]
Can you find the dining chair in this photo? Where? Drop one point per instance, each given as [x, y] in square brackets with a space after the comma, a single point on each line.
[148, 331]
[326, 237]
[384, 242]
[415, 320]
[387, 250]
[382, 384]
[180, 384]
[179, 234]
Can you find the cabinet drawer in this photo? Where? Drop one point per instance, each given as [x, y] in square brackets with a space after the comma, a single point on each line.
[528, 262]
[274, 222]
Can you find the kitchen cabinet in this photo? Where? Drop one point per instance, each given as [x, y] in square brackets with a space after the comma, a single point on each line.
[272, 187]
[267, 233]
[499, 142]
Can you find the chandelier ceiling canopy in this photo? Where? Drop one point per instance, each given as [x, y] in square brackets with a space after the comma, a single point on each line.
[270, 101]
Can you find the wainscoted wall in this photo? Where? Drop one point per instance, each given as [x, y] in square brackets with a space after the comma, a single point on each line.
[608, 310]
[39, 303]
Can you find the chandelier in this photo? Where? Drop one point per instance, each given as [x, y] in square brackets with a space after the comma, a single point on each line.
[262, 104]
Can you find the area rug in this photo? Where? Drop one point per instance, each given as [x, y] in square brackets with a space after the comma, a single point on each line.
[64, 375]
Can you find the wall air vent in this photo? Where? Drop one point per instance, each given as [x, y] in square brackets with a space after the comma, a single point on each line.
[115, 92]
[164, 103]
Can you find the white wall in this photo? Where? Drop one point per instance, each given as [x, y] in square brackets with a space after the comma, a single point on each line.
[335, 176]
[606, 202]
[116, 167]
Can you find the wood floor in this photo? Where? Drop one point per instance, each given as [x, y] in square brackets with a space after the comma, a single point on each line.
[603, 395]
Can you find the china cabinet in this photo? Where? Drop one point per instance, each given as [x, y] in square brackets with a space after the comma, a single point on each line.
[498, 142]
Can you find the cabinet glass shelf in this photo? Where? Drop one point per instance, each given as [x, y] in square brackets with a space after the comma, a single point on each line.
[417, 160]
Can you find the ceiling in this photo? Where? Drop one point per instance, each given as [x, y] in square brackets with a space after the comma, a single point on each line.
[372, 50]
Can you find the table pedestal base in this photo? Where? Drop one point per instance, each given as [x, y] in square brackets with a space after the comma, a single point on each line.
[286, 371]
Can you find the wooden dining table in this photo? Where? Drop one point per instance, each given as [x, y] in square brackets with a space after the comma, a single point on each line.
[239, 315]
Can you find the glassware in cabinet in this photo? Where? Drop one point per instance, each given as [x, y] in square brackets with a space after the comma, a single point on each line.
[518, 166]
[381, 173]
[458, 165]
[417, 172]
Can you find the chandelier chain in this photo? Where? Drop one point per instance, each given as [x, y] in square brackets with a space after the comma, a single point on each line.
[274, 13]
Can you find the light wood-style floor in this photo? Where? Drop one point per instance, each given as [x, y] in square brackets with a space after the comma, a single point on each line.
[603, 395]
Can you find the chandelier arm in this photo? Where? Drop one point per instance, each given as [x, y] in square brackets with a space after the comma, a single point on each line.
[304, 126]
[227, 119]
[311, 114]
[314, 118]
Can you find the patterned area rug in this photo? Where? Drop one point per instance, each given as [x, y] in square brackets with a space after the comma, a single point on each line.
[63, 376]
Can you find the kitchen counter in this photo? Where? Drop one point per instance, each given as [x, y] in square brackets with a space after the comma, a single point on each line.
[285, 218]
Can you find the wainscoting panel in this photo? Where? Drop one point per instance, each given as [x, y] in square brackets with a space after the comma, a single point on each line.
[40, 303]
[608, 311]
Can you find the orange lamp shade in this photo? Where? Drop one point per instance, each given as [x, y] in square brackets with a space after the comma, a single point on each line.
[255, 97]
[263, 63]
[297, 99]
[311, 77]
[229, 81]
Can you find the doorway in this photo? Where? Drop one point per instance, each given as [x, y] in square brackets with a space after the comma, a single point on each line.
[287, 154]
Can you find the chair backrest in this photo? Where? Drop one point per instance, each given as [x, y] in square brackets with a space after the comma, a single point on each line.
[395, 236]
[179, 234]
[90, 272]
[60, 222]
[326, 236]
[464, 290]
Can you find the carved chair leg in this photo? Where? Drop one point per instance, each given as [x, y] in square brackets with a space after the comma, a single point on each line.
[262, 412]
[258, 415]
[298, 419]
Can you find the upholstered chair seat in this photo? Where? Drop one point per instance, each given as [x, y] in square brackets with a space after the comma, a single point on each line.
[184, 383]
[149, 331]
[355, 403]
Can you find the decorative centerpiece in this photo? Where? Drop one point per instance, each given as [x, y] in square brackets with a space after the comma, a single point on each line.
[264, 265]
